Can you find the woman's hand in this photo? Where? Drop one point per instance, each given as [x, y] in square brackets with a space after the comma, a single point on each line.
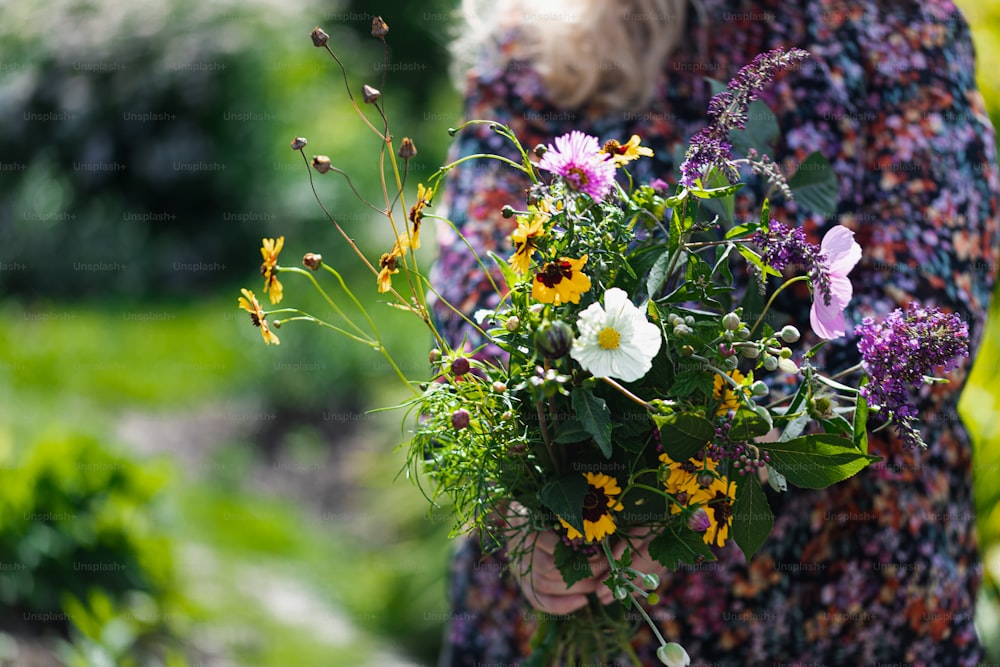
[533, 566]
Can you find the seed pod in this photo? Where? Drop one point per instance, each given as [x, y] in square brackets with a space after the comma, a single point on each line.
[554, 339]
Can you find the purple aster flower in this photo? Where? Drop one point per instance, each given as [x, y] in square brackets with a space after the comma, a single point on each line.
[577, 157]
[899, 352]
[728, 111]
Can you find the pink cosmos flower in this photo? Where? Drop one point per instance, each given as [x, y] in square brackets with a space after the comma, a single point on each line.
[577, 157]
[833, 291]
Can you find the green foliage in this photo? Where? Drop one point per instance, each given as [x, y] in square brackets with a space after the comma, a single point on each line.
[75, 517]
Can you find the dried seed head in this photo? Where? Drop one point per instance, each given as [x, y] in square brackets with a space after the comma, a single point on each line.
[298, 143]
[369, 94]
[321, 163]
[312, 261]
[406, 149]
[319, 37]
[379, 27]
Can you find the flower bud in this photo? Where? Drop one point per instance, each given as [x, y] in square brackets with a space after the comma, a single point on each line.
[406, 149]
[785, 353]
[705, 478]
[540, 150]
[750, 351]
[298, 143]
[789, 334]
[513, 323]
[682, 330]
[620, 592]
[460, 366]
[821, 407]
[787, 365]
[730, 363]
[369, 94]
[686, 350]
[321, 163]
[650, 581]
[499, 387]
[731, 321]
[379, 27]
[319, 37]
[460, 419]
[743, 333]
[759, 389]
[770, 363]
[554, 339]
[507, 211]
[726, 350]
[312, 261]
[434, 356]
[698, 520]
[507, 416]
[673, 655]
[653, 599]
[689, 320]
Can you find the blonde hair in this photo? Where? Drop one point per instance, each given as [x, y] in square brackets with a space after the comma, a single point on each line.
[600, 54]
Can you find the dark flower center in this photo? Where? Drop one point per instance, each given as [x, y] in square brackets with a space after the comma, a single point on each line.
[577, 177]
[595, 505]
[554, 272]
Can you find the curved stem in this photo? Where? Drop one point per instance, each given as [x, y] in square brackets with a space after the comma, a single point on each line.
[770, 301]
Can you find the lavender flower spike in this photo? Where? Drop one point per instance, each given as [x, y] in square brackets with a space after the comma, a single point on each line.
[728, 111]
[898, 353]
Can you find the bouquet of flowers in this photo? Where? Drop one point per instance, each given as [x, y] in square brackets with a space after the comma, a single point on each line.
[628, 392]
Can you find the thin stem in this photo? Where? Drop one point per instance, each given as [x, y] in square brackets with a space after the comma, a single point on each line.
[627, 393]
[332, 304]
[767, 306]
[613, 563]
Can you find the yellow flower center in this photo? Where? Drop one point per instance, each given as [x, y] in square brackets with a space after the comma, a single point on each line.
[608, 339]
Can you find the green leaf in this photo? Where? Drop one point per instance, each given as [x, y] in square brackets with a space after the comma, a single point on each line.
[673, 547]
[509, 275]
[759, 133]
[688, 382]
[571, 431]
[765, 216]
[747, 425]
[814, 185]
[722, 254]
[683, 435]
[564, 496]
[752, 257]
[752, 516]
[658, 275]
[719, 192]
[817, 461]
[861, 419]
[595, 418]
[573, 564]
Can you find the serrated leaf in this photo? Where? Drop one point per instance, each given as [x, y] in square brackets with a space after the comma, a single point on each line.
[671, 548]
[564, 496]
[752, 516]
[817, 461]
[683, 435]
[747, 425]
[688, 382]
[815, 186]
[573, 565]
[593, 414]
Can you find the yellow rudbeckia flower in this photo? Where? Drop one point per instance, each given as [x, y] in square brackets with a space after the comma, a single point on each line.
[561, 281]
[249, 303]
[598, 504]
[269, 249]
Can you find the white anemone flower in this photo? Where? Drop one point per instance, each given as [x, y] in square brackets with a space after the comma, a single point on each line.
[616, 340]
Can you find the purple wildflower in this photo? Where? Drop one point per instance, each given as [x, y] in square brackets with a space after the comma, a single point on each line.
[577, 157]
[898, 353]
[728, 111]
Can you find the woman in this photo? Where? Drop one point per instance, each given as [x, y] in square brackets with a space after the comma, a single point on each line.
[882, 568]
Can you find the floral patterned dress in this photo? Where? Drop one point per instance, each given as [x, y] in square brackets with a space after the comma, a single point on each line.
[882, 568]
